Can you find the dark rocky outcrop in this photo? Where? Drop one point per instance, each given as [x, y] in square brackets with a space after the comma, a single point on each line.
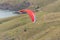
[7, 6]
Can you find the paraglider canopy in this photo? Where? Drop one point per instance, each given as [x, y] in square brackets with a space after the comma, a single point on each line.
[30, 13]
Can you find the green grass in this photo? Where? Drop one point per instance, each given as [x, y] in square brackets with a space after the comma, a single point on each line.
[46, 22]
[15, 27]
[53, 7]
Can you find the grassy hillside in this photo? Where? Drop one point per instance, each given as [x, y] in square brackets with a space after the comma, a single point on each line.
[53, 7]
[22, 28]
[46, 27]
[40, 3]
[46, 5]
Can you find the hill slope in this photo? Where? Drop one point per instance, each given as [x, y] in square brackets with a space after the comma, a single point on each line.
[47, 26]
[22, 27]
[53, 7]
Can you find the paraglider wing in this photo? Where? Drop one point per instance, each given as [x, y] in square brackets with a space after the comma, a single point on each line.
[30, 13]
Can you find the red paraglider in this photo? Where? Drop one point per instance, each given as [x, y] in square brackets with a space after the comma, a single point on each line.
[30, 13]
